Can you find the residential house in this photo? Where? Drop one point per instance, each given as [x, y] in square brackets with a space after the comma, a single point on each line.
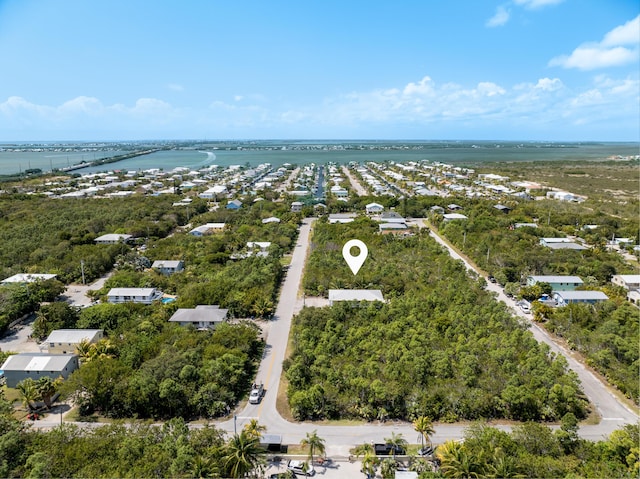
[168, 267]
[18, 367]
[563, 298]
[392, 217]
[234, 205]
[374, 208]
[336, 295]
[557, 282]
[525, 225]
[627, 281]
[65, 341]
[394, 228]
[202, 317]
[453, 216]
[112, 238]
[561, 243]
[503, 208]
[341, 218]
[207, 229]
[133, 295]
[271, 219]
[296, 207]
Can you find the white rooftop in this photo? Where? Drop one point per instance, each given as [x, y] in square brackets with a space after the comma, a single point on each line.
[28, 278]
[355, 295]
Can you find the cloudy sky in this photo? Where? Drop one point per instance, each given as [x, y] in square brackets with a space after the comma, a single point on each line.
[560, 70]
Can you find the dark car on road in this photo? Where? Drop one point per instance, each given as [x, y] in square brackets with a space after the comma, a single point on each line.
[388, 450]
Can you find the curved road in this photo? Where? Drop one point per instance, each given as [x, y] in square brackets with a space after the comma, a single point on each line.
[614, 413]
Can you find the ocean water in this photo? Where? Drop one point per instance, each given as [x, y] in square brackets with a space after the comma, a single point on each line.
[301, 152]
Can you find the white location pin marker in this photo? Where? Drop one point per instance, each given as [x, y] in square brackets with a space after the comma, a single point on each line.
[355, 262]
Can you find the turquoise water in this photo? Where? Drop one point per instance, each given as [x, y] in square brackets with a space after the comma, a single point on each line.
[299, 152]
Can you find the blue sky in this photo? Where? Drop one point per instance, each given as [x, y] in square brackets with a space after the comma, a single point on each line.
[559, 70]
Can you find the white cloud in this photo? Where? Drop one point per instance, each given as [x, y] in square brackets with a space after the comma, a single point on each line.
[533, 4]
[545, 105]
[627, 34]
[175, 87]
[549, 84]
[610, 52]
[500, 18]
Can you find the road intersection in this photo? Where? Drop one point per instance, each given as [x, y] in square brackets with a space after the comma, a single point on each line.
[613, 412]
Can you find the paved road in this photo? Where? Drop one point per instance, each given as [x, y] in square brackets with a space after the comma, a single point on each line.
[339, 439]
[614, 413]
[355, 184]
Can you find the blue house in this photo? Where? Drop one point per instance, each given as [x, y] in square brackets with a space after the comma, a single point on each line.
[234, 205]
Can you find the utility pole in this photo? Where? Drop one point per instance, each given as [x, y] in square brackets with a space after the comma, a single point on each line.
[82, 270]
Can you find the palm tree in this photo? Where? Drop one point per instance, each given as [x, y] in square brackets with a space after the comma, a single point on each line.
[254, 429]
[369, 464]
[202, 468]
[314, 442]
[47, 388]
[424, 427]
[83, 349]
[395, 441]
[243, 455]
[455, 462]
[503, 466]
[28, 392]
[388, 468]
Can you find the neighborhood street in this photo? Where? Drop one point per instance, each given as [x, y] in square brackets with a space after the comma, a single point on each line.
[339, 439]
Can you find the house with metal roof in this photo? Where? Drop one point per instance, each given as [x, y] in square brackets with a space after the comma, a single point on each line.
[557, 282]
[206, 229]
[627, 281]
[18, 367]
[202, 317]
[563, 298]
[168, 267]
[133, 295]
[65, 341]
[354, 295]
[112, 238]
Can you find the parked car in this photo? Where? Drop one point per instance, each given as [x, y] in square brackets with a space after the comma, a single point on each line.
[388, 449]
[298, 467]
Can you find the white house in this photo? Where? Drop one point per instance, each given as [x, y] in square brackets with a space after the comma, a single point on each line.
[134, 295]
[627, 281]
[341, 218]
[374, 208]
[203, 317]
[392, 217]
[271, 219]
[453, 216]
[65, 341]
[296, 206]
[112, 238]
[168, 266]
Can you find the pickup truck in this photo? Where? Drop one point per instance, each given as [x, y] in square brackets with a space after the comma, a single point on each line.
[257, 391]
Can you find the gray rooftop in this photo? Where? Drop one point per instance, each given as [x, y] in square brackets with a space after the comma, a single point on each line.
[71, 335]
[201, 313]
[37, 362]
[581, 295]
